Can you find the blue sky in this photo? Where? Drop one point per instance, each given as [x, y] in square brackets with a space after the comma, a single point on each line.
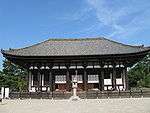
[26, 22]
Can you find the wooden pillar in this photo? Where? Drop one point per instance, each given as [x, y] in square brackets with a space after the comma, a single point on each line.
[68, 79]
[32, 79]
[50, 80]
[53, 82]
[101, 80]
[114, 77]
[125, 76]
[29, 81]
[39, 80]
[42, 77]
[101, 76]
[85, 79]
[127, 79]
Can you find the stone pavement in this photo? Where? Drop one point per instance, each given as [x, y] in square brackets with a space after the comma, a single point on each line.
[125, 105]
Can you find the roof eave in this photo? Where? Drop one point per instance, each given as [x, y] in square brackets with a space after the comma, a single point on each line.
[6, 54]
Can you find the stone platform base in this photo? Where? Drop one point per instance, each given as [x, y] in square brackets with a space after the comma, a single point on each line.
[74, 98]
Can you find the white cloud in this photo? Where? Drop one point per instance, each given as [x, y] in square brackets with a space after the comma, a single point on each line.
[78, 15]
[111, 16]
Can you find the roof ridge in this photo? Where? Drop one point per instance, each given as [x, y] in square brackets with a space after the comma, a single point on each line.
[123, 43]
[56, 39]
[73, 39]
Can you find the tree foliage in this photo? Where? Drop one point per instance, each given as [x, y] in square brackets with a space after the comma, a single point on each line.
[139, 75]
[13, 76]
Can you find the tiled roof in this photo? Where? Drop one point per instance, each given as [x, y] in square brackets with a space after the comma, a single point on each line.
[73, 47]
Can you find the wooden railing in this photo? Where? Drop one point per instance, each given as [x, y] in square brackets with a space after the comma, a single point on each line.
[83, 95]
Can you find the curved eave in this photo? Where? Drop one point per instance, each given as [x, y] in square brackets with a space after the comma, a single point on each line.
[144, 52]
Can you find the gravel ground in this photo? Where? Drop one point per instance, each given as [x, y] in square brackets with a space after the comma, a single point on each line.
[126, 105]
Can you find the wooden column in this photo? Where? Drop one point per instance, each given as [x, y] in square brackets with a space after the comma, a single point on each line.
[68, 79]
[50, 80]
[101, 76]
[85, 79]
[29, 81]
[114, 77]
[39, 80]
[42, 77]
[101, 80]
[126, 83]
[32, 79]
[53, 82]
[127, 79]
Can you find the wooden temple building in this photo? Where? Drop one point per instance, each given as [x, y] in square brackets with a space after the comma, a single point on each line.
[98, 63]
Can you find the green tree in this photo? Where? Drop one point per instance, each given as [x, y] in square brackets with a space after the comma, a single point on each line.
[13, 76]
[139, 74]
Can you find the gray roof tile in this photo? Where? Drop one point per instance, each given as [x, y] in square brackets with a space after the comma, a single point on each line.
[69, 47]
